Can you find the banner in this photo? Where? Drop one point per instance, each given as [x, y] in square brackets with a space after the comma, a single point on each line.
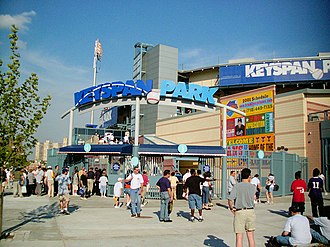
[279, 71]
[255, 131]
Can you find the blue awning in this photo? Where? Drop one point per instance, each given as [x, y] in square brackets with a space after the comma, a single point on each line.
[172, 150]
[124, 149]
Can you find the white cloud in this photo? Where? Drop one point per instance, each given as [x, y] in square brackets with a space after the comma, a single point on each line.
[20, 20]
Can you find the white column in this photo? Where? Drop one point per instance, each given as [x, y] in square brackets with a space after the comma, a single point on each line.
[71, 127]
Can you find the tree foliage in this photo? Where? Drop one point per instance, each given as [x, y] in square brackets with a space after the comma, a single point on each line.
[21, 109]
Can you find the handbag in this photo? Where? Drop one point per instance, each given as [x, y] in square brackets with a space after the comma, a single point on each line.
[276, 187]
[267, 187]
[81, 191]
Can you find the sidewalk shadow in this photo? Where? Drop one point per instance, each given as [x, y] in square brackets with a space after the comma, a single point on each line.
[183, 214]
[214, 241]
[222, 205]
[283, 213]
[37, 215]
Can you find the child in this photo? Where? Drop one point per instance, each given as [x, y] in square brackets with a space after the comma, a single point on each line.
[103, 184]
[117, 191]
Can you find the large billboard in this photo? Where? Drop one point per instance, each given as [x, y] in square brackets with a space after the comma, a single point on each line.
[255, 131]
[279, 71]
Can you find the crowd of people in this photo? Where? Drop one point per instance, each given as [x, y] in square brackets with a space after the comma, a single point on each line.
[243, 194]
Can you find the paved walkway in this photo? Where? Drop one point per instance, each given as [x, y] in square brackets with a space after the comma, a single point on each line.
[34, 221]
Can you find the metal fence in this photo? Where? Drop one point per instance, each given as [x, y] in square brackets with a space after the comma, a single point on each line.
[282, 164]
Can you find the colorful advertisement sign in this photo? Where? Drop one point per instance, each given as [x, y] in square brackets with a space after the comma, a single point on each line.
[280, 71]
[255, 131]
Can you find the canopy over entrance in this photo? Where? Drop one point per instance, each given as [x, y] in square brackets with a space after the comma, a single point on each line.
[125, 149]
[172, 150]
[146, 150]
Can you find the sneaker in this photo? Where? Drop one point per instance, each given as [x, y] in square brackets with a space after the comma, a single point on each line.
[138, 215]
[121, 204]
[133, 215]
[62, 211]
[169, 220]
[116, 206]
[145, 203]
[192, 219]
[200, 219]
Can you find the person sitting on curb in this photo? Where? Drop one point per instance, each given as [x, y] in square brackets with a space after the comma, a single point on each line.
[321, 233]
[296, 230]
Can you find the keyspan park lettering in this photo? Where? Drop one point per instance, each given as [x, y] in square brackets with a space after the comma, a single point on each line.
[279, 71]
[168, 89]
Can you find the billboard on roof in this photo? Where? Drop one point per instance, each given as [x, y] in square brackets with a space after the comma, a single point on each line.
[280, 71]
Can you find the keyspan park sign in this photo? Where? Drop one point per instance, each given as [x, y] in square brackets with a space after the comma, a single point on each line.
[132, 89]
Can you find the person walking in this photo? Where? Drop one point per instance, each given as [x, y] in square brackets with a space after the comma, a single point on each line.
[83, 184]
[145, 187]
[166, 196]
[39, 180]
[296, 231]
[57, 173]
[117, 192]
[64, 183]
[31, 183]
[298, 187]
[174, 182]
[90, 181]
[192, 185]
[97, 187]
[206, 190]
[241, 204]
[50, 176]
[231, 181]
[103, 182]
[270, 182]
[315, 188]
[256, 182]
[75, 182]
[18, 182]
[136, 180]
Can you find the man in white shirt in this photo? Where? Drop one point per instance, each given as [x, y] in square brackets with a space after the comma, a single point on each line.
[50, 175]
[296, 230]
[321, 235]
[186, 176]
[136, 180]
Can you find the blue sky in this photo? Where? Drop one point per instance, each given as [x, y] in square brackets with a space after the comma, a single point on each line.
[57, 39]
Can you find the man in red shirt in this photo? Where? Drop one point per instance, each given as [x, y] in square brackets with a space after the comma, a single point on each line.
[298, 187]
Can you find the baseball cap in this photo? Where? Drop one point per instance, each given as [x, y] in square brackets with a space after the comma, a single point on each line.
[119, 179]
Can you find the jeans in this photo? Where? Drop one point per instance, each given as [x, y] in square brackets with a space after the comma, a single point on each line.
[283, 240]
[135, 201]
[205, 194]
[318, 237]
[164, 201]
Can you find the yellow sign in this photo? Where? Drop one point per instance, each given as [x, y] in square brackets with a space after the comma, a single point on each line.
[255, 131]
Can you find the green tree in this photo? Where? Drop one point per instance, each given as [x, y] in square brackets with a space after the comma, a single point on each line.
[21, 111]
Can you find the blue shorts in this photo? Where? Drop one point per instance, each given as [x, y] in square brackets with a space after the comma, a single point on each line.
[195, 201]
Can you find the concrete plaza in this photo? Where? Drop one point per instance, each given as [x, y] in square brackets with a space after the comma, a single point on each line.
[34, 221]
